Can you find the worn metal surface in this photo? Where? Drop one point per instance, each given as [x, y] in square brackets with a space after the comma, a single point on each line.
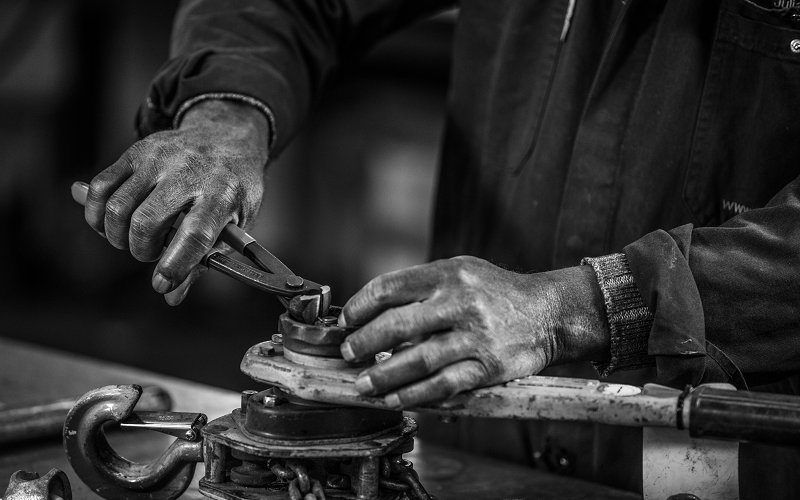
[29, 373]
[673, 463]
[312, 339]
[29, 486]
[534, 397]
[110, 475]
[228, 430]
[38, 420]
[272, 417]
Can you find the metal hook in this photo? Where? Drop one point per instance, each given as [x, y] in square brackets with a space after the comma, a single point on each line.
[108, 474]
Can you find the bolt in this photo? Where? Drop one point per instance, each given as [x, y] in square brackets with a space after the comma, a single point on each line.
[190, 435]
[270, 400]
[245, 398]
[294, 282]
[277, 338]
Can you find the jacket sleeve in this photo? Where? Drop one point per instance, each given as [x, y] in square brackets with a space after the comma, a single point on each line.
[725, 300]
[275, 52]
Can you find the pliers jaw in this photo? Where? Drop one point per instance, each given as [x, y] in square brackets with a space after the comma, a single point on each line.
[310, 308]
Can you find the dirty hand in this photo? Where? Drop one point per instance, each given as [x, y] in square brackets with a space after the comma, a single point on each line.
[212, 166]
[472, 324]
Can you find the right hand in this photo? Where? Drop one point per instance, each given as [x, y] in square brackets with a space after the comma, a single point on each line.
[211, 166]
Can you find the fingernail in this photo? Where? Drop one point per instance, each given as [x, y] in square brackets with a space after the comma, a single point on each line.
[393, 401]
[161, 284]
[347, 352]
[364, 385]
[341, 321]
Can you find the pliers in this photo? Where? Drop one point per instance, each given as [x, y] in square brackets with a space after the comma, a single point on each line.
[306, 301]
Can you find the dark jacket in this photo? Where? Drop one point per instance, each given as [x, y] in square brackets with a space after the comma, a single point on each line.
[665, 129]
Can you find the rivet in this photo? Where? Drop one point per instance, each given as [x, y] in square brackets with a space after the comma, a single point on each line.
[297, 281]
[795, 46]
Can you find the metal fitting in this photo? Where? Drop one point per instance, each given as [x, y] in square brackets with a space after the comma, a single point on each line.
[327, 321]
[277, 338]
[271, 400]
[245, 398]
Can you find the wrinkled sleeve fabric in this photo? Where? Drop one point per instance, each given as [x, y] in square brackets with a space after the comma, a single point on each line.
[277, 52]
[726, 299]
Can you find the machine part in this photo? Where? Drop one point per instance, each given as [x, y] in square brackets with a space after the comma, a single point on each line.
[313, 339]
[711, 411]
[26, 423]
[180, 425]
[536, 397]
[110, 475]
[330, 468]
[29, 486]
[308, 308]
[254, 470]
[673, 464]
[318, 361]
[290, 421]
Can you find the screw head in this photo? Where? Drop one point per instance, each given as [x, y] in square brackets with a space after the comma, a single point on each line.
[190, 435]
[794, 45]
[294, 282]
[277, 338]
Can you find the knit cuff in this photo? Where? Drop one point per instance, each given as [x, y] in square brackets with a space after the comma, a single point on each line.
[230, 96]
[629, 319]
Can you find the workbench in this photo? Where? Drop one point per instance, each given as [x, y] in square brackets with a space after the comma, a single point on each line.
[32, 374]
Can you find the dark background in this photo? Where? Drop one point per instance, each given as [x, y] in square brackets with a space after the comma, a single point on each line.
[350, 199]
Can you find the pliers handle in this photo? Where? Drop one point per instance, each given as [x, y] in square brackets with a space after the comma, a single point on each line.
[271, 276]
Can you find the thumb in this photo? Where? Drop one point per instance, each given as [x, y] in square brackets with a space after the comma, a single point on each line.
[176, 296]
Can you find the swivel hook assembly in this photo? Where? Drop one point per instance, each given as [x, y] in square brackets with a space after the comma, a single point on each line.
[112, 476]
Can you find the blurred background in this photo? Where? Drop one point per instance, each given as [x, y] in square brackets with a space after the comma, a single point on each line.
[350, 199]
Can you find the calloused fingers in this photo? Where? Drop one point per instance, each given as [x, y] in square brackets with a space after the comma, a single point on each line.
[122, 206]
[442, 385]
[102, 187]
[414, 363]
[155, 216]
[196, 235]
[395, 326]
[386, 291]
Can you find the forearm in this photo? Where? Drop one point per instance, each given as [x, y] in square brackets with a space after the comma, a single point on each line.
[278, 52]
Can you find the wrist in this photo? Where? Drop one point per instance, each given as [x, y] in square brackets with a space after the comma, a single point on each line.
[235, 120]
[581, 331]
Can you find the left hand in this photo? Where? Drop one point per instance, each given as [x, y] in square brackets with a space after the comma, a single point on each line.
[473, 324]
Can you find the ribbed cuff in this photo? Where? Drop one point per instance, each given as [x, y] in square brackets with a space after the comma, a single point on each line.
[629, 319]
[230, 96]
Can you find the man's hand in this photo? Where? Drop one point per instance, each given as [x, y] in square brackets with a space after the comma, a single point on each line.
[212, 166]
[473, 324]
